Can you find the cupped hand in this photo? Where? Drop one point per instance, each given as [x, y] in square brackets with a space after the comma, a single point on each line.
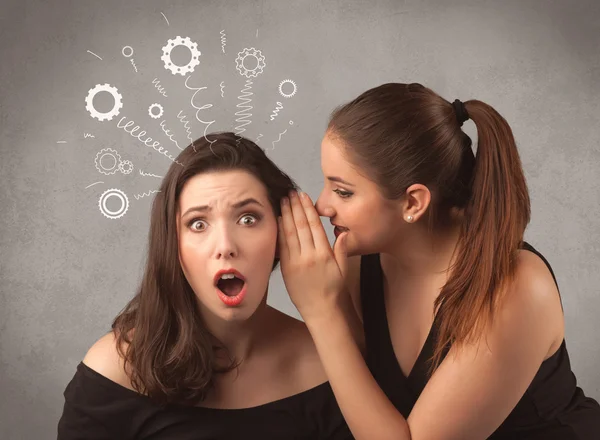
[313, 273]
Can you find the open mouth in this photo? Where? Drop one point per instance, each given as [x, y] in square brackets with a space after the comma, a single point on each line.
[230, 284]
[337, 230]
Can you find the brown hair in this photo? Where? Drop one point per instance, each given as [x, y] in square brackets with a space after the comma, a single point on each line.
[169, 354]
[402, 134]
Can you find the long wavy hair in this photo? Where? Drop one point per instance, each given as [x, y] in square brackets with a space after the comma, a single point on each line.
[402, 134]
[169, 353]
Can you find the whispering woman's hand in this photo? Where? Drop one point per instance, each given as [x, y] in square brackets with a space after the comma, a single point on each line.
[313, 273]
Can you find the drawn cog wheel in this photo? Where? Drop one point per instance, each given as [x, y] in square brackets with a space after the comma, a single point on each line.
[260, 62]
[113, 192]
[166, 56]
[89, 102]
[160, 110]
[126, 167]
[101, 166]
[290, 94]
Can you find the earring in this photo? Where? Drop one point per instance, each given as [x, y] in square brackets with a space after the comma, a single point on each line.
[409, 218]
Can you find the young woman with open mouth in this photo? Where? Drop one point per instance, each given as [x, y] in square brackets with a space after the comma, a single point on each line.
[197, 353]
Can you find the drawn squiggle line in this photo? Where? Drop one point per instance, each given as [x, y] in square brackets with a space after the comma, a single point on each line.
[276, 111]
[95, 183]
[280, 134]
[168, 133]
[158, 87]
[139, 196]
[166, 19]
[258, 138]
[186, 125]
[204, 107]
[133, 64]
[88, 135]
[89, 51]
[223, 40]
[245, 108]
[222, 88]
[149, 175]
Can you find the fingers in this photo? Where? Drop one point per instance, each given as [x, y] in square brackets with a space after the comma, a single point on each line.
[314, 222]
[284, 253]
[288, 227]
[340, 253]
[305, 236]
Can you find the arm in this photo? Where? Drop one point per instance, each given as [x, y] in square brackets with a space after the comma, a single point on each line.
[473, 390]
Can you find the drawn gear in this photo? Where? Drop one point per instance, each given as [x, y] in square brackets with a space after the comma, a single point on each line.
[89, 102]
[126, 167]
[292, 93]
[189, 67]
[113, 192]
[260, 62]
[107, 152]
[160, 110]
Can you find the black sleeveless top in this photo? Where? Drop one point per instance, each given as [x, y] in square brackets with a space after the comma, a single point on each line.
[553, 406]
[97, 408]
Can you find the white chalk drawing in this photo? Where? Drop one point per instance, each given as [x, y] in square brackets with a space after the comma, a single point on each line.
[153, 114]
[186, 125]
[287, 94]
[158, 87]
[166, 19]
[276, 111]
[61, 142]
[133, 64]
[204, 107]
[106, 195]
[107, 161]
[256, 33]
[89, 102]
[126, 167]
[128, 48]
[89, 51]
[92, 184]
[244, 114]
[258, 138]
[155, 145]
[88, 135]
[260, 62]
[149, 174]
[146, 194]
[168, 133]
[189, 67]
[280, 134]
[222, 85]
[223, 40]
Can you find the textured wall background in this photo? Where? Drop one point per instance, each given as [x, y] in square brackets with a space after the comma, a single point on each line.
[66, 269]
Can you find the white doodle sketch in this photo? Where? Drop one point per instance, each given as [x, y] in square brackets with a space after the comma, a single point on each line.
[158, 87]
[204, 107]
[186, 124]
[288, 94]
[154, 115]
[149, 174]
[155, 145]
[168, 133]
[92, 184]
[106, 195]
[146, 194]
[244, 114]
[114, 161]
[222, 85]
[189, 67]
[260, 62]
[223, 40]
[61, 142]
[280, 134]
[126, 167]
[89, 51]
[166, 19]
[133, 64]
[258, 138]
[88, 135]
[89, 102]
[127, 48]
[276, 111]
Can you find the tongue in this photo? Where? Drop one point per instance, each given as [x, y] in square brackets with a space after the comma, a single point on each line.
[231, 287]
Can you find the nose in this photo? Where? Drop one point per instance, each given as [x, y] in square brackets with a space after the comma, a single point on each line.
[323, 205]
[226, 247]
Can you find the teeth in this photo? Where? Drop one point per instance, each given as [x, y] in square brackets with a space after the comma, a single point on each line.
[227, 276]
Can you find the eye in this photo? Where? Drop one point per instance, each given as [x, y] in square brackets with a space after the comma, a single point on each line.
[343, 194]
[249, 219]
[197, 225]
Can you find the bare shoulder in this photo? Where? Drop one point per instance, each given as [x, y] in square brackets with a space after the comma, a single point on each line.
[104, 358]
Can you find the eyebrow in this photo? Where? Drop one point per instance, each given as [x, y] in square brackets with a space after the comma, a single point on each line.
[237, 205]
[339, 180]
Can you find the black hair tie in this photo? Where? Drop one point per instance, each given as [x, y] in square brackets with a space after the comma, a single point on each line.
[461, 111]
